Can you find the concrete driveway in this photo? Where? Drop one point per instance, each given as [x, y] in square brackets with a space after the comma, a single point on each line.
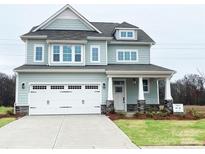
[72, 131]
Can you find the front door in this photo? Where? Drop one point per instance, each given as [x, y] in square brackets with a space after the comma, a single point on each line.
[119, 95]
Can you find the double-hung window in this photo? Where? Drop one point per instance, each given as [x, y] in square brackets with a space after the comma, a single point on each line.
[67, 53]
[146, 85]
[127, 55]
[126, 34]
[38, 53]
[95, 53]
[77, 53]
[56, 53]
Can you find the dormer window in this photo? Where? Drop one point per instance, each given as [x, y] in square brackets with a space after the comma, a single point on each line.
[126, 34]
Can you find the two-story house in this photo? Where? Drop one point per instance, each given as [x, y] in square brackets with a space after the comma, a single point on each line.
[74, 66]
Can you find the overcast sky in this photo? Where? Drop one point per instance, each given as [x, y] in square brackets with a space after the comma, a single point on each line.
[178, 30]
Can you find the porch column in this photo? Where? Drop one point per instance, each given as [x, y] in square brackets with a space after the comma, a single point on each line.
[167, 90]
[110, 93]
[141, 91]
[141, 99]
[110, 100]
[168, 101]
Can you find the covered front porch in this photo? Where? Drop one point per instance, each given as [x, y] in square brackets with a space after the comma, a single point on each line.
[135, 91]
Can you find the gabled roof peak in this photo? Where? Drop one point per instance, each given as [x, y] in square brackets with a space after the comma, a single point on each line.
[126, 25]
[67, 6]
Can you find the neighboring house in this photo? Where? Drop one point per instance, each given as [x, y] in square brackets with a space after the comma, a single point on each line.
[74, 66]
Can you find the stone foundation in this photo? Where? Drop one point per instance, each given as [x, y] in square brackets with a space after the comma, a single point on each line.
[110, 106]
[132, 107]
[22, 109]
[141, 106]
[148, 107]
[168, 106]
[152, 107]
[103, 109]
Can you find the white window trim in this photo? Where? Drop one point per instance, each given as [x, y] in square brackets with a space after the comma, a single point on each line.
[73, 54]
[127, 50]
[34, 57]
[91, 56]
[127, 38]
[148, 82]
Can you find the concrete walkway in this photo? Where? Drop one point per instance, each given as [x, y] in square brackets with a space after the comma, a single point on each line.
[72, 131]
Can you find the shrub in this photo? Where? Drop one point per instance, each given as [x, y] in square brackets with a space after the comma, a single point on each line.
[10, 112]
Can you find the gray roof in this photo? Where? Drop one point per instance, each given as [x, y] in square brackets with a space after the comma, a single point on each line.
[106, 28]
[110, 67]
[125, 25]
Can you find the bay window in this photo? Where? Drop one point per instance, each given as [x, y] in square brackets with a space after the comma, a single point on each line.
[67, 53]
[56, 53]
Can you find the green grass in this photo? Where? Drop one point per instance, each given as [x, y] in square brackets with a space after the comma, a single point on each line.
[4, 121]
[4, 110]
[164, 132]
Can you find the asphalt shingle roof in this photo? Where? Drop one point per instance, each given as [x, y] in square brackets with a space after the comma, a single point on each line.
[110, 67]
[126, 25]
[106, 28]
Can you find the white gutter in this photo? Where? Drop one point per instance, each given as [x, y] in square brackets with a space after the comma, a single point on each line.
[34, 37]
[126, 42]
[61, 70]
[99, 38]
[138, 72]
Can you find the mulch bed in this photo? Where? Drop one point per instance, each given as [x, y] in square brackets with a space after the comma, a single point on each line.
[187, 116]
[17, 116]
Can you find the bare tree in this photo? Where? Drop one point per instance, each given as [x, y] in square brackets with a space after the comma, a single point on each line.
[7, 90]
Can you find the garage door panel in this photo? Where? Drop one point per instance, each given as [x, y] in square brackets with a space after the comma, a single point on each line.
[65, 99]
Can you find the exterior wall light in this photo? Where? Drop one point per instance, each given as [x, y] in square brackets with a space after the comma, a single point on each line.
[23, 85]
[104, 86]
[134, 81]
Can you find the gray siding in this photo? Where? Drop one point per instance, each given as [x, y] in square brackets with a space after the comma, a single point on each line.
[57, 78]
[143, 53]
[132, 92]
[68, 24]
[30, 51]
[102, 45]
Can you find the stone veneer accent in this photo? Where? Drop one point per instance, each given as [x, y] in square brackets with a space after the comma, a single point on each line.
[168, 106]
[141, 106]
[22, 109]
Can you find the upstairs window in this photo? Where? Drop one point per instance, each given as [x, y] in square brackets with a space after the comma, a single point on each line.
[56, 53]
[38, 53]
[126, 34]
[67, 53]
[95, 52]
[78, 53]
[127, 55]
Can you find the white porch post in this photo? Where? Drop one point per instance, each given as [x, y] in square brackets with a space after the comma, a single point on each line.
[140, 89]
[110, 93]
[167, 89]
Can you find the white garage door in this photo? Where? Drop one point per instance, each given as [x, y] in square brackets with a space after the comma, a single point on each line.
[64, 99]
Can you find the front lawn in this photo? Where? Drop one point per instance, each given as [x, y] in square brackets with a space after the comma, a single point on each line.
[164, 132]
[4, 121]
